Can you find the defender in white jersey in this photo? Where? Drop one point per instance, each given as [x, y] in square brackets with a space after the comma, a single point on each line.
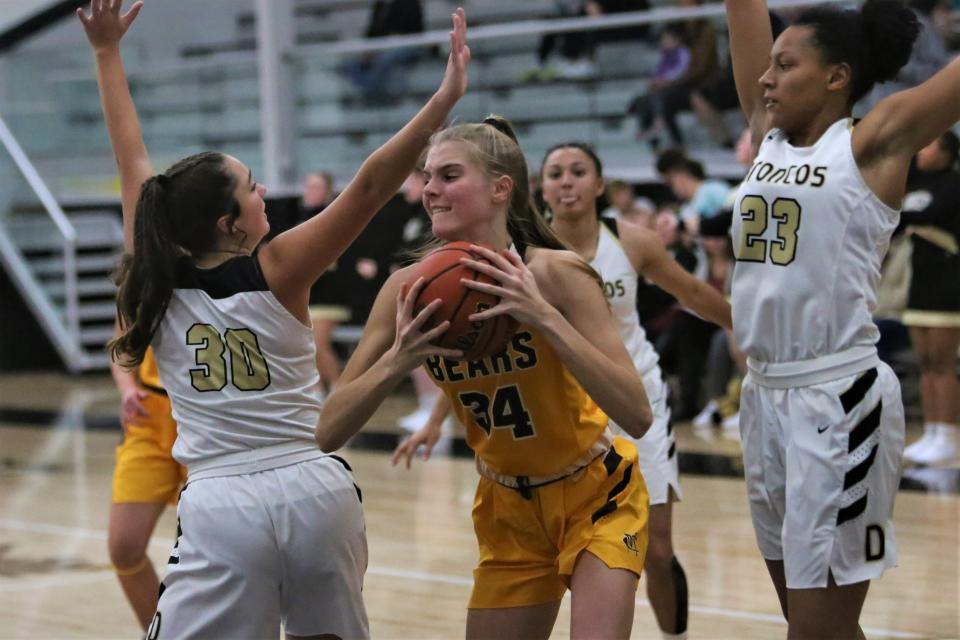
[572, 178]
[270, 530]
[821, 417]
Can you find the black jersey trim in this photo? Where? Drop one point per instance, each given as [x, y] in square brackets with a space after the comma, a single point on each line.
[237, 275]
[611, 223]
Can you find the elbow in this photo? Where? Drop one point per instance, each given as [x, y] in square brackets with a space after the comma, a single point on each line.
[639, 422]
[326, 439]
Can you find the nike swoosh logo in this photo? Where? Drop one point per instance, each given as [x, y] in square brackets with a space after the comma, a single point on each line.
[822, 429]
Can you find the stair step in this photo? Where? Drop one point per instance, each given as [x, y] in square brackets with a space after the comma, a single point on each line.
[98, 286]
[96, 263]
[89, 311]
[95, 336]
[38, 232]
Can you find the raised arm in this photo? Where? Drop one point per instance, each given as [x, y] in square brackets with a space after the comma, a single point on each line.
[751, 40]
[650, 258]
[390, 348]
[105, 27]
[902, 124]
[296, 258]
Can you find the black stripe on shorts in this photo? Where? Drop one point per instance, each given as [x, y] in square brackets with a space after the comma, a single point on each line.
[865, 429]
[859, 472]
[856, 393]
[852, 511]
[611, 504]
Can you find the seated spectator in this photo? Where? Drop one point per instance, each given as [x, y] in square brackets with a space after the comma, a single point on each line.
[701, 198]
[373, 73]
[576, 48]
[719, 94]
[673, 63]
[701, 39]
[624, 205]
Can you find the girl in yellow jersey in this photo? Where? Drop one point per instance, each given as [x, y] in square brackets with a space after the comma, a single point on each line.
[146, 479]
[561, 502]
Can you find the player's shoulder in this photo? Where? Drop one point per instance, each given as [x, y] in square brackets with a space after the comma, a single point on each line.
[549, 262]
[558, 270]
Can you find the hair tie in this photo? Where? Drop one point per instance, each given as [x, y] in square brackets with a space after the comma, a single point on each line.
[163, 181]
[500, 125]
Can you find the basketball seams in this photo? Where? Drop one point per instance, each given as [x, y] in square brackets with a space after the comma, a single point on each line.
[447, 281]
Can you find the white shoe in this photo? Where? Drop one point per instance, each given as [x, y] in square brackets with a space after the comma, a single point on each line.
[413, 421]
[920, 446]
[708, 415]
[942, 448]
[731, 426]
[577, 69]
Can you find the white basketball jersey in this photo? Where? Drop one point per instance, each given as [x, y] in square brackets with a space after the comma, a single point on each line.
[620, 286]
[809, 237]
[239, 368]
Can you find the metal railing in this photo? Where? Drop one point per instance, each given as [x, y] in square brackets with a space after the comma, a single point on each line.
[65, 333]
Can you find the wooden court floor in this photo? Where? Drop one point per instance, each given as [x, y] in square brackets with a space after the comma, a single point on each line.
[56, 454]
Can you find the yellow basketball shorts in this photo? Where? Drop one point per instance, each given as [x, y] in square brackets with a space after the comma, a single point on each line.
[529, 548]
[145, 470]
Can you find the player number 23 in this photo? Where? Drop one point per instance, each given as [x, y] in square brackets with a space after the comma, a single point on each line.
[248, 367]
[755, 214]
[507, 411]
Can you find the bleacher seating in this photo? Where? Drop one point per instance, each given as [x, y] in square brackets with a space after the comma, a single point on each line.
[212, 101]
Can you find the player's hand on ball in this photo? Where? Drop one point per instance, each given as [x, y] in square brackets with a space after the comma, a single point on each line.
[517, 289]
[412, 346]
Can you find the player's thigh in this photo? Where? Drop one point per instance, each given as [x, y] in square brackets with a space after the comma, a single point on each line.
[223, 576]
[324, 548]
[602, 599]
[532, 622]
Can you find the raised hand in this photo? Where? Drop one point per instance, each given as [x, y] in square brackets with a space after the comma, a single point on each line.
[454, 83]
[105, 26]
[411, 346]
[517, 288]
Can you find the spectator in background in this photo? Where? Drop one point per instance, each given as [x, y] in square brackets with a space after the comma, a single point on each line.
[931, 208]
[719, 94]
[373, 73]
[929, 56]
[576, 48]
[624, 205]
[673, 63]
[701, 198]
[329, 295]
[701, 39]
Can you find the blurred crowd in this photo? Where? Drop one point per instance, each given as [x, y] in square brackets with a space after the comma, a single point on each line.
[919, 306]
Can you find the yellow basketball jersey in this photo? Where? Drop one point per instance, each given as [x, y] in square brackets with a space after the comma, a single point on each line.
[525, 412]
[148, 373]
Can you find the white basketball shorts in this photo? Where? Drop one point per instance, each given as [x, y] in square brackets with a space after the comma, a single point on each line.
[281, 546]
[657, 449]
[822, 464]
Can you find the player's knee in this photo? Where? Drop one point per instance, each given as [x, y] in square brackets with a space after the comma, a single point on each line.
[126, 552]
[659, 555]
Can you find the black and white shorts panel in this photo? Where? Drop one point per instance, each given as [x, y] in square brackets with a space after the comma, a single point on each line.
[823, 465]
[657, 449]
[281, 546]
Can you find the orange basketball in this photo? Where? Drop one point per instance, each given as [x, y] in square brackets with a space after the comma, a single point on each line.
[442, 272]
